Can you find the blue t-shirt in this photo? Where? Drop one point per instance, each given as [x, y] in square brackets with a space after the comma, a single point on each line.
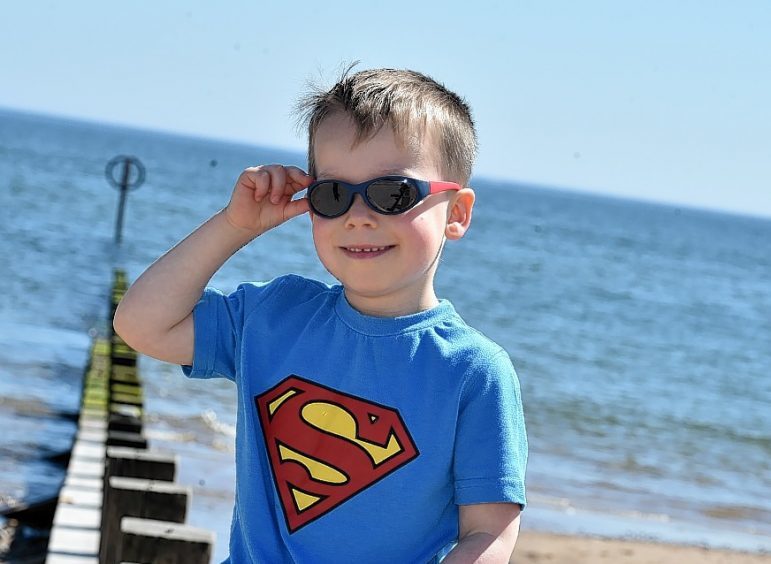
[357, 437]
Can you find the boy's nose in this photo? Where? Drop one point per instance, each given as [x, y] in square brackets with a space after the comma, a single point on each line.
[360, 214]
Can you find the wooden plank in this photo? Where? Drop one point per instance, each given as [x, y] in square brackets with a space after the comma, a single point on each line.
[136, 463]
[145, 540]
[133, 497]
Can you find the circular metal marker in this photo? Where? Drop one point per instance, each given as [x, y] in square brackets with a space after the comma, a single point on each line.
[130, 172]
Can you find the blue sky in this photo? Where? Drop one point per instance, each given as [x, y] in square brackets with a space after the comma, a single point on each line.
[658, 100]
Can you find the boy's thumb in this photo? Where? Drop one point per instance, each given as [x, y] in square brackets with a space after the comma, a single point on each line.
[296, 207]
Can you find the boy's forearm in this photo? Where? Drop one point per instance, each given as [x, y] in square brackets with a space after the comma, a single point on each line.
[168, 290]
[479, 548]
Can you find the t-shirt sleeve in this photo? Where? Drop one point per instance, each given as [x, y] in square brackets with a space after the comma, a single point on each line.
[491, 443]
[217, 322]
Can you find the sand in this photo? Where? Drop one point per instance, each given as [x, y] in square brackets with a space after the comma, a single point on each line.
[548, 548]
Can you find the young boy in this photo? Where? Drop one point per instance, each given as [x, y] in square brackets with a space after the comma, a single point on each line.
[373, 424]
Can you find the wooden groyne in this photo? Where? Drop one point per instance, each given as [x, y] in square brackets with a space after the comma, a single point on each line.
[119, 501]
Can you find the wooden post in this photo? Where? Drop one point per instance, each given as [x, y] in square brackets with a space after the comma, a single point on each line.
[145, 540]
[123, 355]
[134, 463]
[121, 439]
[126, 410]
[125, 374]
[125, 423]
[132, 497]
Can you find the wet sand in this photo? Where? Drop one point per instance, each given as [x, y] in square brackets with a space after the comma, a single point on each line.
[547, 548]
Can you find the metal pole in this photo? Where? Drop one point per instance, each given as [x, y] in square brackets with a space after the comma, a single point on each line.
[124, 184]
[122, 203]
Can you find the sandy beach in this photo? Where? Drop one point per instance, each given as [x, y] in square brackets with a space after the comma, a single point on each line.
[536, 547]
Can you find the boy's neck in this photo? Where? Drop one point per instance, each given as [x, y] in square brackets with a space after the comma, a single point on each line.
[392, 306]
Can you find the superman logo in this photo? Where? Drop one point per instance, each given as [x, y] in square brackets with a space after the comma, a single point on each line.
[326, 446]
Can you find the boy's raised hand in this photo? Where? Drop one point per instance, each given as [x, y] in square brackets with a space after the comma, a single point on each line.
[155, 315]
[262, 197]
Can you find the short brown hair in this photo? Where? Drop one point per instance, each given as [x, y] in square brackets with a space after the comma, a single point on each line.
[411, 102]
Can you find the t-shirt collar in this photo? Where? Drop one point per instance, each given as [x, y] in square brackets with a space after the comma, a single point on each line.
[382, 326]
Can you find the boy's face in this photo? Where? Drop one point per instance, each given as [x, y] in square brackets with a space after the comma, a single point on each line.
[396, 279]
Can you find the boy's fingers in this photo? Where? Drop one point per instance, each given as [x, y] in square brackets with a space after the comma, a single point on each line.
[298, 176]
[250, 177]
[277, 182]
[295, 187]
[261, 181]
[295, 208]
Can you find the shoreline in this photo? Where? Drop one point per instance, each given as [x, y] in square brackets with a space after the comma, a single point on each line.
[553, 548]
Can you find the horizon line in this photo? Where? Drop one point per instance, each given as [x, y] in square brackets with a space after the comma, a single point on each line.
[518, 182]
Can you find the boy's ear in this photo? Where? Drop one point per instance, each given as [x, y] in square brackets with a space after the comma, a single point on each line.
[459, 214]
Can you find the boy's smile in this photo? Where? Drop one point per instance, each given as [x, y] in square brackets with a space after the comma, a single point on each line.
[386, 263]
[366, 252]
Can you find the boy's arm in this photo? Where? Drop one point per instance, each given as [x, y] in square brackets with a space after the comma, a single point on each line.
[155, 315]
[488, 533]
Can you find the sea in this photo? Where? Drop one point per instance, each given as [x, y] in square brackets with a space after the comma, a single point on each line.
[641, 332]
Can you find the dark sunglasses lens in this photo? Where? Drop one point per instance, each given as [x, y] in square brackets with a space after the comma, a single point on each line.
[330, 199]
[392, 196]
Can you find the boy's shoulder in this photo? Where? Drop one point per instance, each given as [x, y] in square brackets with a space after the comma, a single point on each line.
[289, 286]
[474, 338]
[276, 297]
[469, 351]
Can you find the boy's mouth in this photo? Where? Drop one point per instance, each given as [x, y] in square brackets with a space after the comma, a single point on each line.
[366, 251]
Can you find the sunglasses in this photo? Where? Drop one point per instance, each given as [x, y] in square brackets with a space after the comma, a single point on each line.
[389, 195]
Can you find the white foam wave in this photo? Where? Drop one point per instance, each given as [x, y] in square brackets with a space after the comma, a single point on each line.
[209, 417]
